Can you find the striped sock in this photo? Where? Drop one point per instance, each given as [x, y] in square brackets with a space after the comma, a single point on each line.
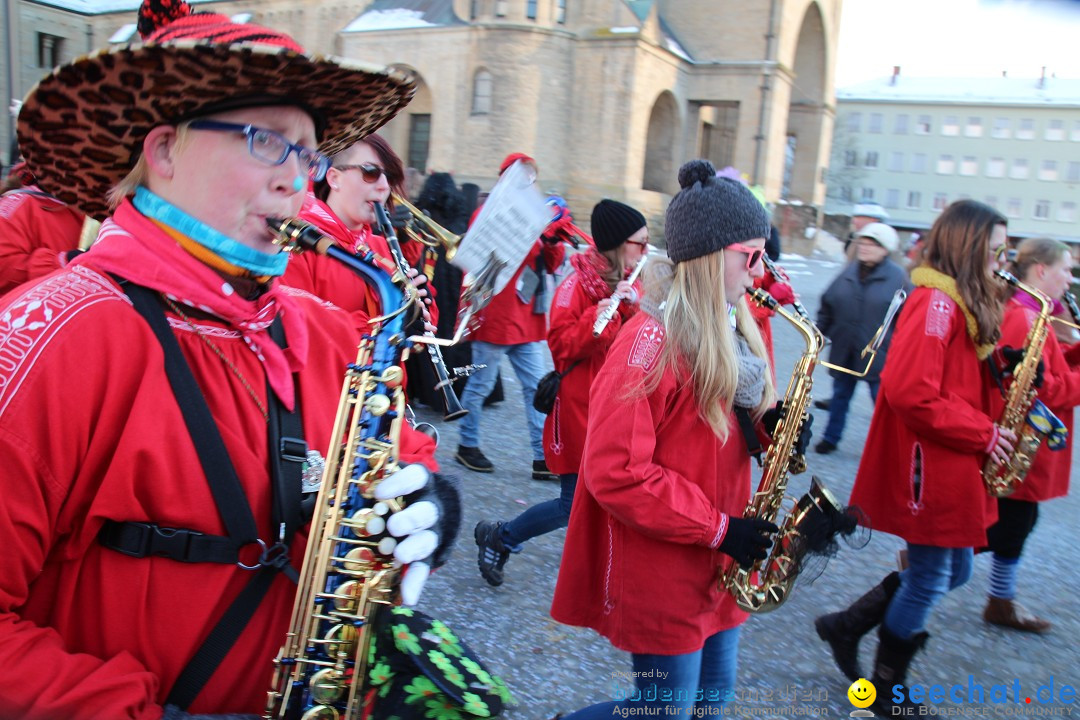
[1003, 577]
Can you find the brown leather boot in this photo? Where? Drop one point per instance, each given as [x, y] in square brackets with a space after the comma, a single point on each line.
[1011, 614]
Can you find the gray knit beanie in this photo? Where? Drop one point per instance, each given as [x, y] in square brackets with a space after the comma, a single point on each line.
[710, 213]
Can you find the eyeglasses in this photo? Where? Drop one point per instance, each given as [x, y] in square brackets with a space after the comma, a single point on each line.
[1000, 253]
[271, 147]
[369, 171]
[639, 243]
[753, 255]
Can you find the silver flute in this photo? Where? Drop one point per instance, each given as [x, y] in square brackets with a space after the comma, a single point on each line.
[604, 318]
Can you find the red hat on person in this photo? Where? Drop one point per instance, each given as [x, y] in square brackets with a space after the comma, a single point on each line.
[513, 158]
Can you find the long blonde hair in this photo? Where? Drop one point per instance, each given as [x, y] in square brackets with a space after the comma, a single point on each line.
[698, 337]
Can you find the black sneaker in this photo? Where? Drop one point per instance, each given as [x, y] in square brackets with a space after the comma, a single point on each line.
[823, 403]
[541, 472]
[824, 447]
[493, 552]
[472, 458]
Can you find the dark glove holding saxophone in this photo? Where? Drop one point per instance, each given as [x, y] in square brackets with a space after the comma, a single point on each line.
[747, 540]
[771, 418]
[1007, 359]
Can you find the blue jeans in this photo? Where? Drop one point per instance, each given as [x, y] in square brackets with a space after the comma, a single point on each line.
[543, 517]
[673, 683]
[931, 572]
[529, 365]
[842, 390]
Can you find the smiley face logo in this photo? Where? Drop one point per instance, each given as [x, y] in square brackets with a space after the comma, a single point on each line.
[862, 693]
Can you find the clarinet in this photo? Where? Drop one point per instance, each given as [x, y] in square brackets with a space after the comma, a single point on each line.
[454, 409]
[605, 317]
[1070, 302]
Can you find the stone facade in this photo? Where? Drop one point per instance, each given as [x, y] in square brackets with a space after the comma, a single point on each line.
[610, 96]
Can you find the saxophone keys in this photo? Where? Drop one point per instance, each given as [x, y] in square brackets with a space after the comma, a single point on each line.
[393, 377]
[377, 404]
[359, 560]
[369, 521]
[321, 712]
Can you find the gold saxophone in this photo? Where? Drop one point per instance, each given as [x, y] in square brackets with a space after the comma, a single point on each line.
[1002, 479]
[348, 573]
[768, 583]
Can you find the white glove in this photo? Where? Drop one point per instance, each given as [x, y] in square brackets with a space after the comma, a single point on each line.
[414, 524]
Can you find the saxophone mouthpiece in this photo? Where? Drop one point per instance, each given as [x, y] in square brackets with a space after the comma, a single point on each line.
[295, 235]
[1007, 277]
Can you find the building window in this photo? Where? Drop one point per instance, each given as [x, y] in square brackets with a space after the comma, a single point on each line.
[877, 122]
[951, 125]
[1026, 131]
[500, 8]
[474, 9]
[1019, 169]
[992, 201]
[995, 167]
[1073, 173]
[940, 201]
[419, 140]
[892, 199]
[871, 159]
[530, 9]
[946, 165]
[918, 163]
[851, 158]
[1012, 209]
[973, 127]
[1055, 130]
[1067, 212]
[845, 194]
[1001, 128]
[854, 122]
[1048, 170]
[1075, 134]
[560, 12]
[867, 194]
[923, 126]
[914, 199]
[48, 50]
[969, 166]
[896, 161]
[1042, 210]
[900, 128]
[482, 87]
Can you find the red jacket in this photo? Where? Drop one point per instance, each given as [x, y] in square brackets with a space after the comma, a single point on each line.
[934, 407]
[640, 565]
[570, 339]
[1049, 474]
[508, 321]
[36, 230]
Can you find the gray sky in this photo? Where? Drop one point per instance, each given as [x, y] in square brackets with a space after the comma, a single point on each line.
[958, 38]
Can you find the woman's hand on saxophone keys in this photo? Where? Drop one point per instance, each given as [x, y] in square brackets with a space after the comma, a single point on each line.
[1004, 444]
[417, 524]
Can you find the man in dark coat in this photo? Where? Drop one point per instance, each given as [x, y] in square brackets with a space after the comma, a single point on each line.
[851, 310]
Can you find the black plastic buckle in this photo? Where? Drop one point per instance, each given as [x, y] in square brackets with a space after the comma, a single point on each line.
[275, 556]
[293, 449]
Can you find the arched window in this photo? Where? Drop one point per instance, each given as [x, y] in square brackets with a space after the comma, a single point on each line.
[481, 99]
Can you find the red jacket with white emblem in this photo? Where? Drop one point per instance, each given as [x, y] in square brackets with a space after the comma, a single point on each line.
[1049, 474]
[652, 502]
[570, 340]
[921, 471]
[36, 230]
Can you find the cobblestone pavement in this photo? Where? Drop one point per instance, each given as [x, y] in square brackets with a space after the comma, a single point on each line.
[784, 669]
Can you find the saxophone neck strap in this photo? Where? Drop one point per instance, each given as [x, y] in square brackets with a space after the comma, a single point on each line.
[749, 433]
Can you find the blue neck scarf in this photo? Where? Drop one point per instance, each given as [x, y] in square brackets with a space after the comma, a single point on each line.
[229, 250]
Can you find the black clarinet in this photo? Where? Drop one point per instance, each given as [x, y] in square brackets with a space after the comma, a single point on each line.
[454, 410]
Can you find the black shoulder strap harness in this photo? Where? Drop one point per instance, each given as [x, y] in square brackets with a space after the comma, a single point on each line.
[746, 425]
[140, 539]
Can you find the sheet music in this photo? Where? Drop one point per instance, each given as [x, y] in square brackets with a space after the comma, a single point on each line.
[507, 226]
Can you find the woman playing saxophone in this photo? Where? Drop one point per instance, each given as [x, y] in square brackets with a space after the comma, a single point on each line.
[652, 508]
[1046, 266]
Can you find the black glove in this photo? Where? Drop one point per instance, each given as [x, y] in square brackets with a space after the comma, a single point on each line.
[174, 713]
[745, 541]
[772, 418]
[399, 218]
[1008, 358]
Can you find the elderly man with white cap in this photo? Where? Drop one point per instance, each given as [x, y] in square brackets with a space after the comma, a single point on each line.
[851, 310]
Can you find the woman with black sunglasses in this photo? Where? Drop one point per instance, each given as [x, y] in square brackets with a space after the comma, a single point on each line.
[341, 204]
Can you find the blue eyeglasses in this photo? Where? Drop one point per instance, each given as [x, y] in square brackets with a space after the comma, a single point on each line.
[271, 147]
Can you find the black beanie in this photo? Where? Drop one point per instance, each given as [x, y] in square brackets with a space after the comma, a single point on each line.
[710, 213]
[613, 223]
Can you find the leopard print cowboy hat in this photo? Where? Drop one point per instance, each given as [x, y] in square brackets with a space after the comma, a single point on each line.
[81, 128]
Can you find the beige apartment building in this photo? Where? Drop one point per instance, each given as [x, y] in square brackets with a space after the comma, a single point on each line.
[914, 145]
[610, 96]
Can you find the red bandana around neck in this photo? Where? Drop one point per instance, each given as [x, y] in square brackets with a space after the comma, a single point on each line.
[132, 246]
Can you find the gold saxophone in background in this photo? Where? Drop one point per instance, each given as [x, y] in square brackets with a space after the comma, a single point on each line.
[1002, 479]
[768, 583]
